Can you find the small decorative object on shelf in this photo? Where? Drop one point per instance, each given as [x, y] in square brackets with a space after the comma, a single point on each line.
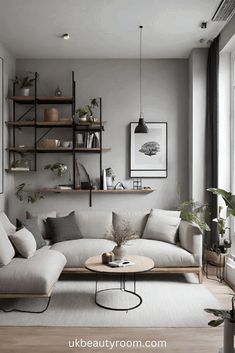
[87, 184]
[86, 113]
[51, 115]
[49, 143]
[137, 184]
[104, 180]
[107, 257]
[59, 169]
[58, 92]
[119, 186]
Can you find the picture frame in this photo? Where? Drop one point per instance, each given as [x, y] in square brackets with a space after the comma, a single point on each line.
[148, 152]
[1, 129]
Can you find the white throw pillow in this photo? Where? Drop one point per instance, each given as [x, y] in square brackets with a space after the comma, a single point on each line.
[159, 212]
[7, 251]
[7, 225]
[163, 228]
[94, 224]
[41, 219]
[24, 242]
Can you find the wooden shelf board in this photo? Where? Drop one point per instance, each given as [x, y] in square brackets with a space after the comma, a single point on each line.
[126, 191]
[92, 150]
[60, 123]
[18, 171]
[42, 99]
[57, 149]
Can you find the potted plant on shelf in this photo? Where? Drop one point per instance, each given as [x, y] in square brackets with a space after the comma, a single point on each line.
[121, 234]
[196, 213]
[110, 177]
[86, 113]
[24, 84]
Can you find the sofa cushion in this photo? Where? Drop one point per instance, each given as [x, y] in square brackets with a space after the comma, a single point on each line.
[7, 225]
[136, 219]
[36, 275]
[63, 228]
[24, 242]
[78, 251]
[41, 219]
[163, 254]
[7, 251]
[163, 228]
[160, 212]
[94, 224]
[32, 226]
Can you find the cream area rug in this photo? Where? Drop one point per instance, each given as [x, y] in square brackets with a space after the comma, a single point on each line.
[168, 301]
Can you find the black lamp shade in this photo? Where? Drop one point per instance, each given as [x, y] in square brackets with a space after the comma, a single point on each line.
[141, 128]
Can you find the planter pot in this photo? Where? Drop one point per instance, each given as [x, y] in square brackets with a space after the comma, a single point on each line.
[25, 91]
[119, 252]
[229, 328]
[51, 115]
[109, 182]
[214, 258]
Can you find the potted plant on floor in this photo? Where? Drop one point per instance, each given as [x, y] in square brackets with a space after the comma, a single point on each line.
[196, 213]
[228, 318]
[24, 85]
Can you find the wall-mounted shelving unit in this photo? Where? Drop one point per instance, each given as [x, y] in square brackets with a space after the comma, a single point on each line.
[31, 104]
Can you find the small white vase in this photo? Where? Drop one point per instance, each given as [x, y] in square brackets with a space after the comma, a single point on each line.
[104, 180]
[119, 252]
[25, 91]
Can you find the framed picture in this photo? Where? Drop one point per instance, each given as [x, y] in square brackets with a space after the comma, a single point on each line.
[1, 128]
[148, 152]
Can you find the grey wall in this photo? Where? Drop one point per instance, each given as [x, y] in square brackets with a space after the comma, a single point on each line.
[8, 74]
[117, 82]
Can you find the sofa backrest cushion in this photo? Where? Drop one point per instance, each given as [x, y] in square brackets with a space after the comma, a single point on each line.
[94, 224]
[135, 219]
[63, 228]
[24, 242]
[160, 212]
[32, 225]
[7, 251]
[162, 228]
[7, 225]
[41, 220]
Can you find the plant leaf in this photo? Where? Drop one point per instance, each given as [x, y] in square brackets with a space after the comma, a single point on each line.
[215, 323]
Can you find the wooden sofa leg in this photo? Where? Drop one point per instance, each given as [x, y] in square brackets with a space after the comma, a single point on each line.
[200, 277]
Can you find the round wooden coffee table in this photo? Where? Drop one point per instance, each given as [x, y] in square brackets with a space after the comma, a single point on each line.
[119, 294]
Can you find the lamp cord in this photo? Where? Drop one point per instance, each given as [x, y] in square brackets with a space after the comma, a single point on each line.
[141, 104]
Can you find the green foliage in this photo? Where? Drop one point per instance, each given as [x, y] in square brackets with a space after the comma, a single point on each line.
[26, 195]
[58, 168]
[222, 314]
[88, 109]
[195, 213]
[228, 198]
[24, 82]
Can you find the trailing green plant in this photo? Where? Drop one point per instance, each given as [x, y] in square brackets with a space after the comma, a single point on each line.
[27, 195]
[222, 314]
[228, 198]
[109, 173]
[24, 82]
[195, 213]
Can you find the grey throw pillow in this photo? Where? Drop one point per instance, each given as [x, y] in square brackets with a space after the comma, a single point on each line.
[63, 228]
[32, 226]
[7, 251]
[162, 228]
[24, 242]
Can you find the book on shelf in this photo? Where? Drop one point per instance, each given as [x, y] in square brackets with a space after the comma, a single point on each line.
[21, 169]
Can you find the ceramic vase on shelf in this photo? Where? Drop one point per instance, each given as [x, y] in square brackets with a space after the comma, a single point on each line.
[25, 91]
[119, 252]
[109, 182]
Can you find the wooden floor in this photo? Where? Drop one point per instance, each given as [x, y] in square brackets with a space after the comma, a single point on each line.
[56, 340]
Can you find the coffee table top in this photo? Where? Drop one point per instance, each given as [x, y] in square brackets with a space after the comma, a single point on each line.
[142, 264]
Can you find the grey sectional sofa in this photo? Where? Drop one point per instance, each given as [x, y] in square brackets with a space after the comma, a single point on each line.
[36, 276]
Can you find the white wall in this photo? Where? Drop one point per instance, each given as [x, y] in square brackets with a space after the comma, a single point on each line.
[197, 123]
[117, 82]
[8, 74]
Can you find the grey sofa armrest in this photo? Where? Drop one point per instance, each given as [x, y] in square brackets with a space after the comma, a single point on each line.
[190, 237]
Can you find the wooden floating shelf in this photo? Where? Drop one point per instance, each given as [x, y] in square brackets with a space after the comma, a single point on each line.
[61, 123]
[19, 171]
[113, 191]
[57, 149]
[42, 100]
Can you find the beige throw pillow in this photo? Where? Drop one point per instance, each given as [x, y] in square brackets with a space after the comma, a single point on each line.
[24, 242]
